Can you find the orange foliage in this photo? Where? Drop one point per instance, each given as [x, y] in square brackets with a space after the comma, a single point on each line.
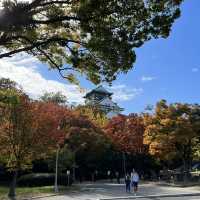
[30, 130]
[126, 133]
[48, 121]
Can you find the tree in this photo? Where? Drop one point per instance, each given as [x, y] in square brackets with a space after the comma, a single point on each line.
[6, 84]
[17, 141]
[49, 121]
[173, 131]
[8, 92]
[28, 130]
[126, 133]
[93, 37]
[57, 97]
[66, 160]
[87, 141]
[94, 114]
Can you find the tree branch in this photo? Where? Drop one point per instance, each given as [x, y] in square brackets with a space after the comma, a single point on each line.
[54, 2]
[57, 19]
[35, 45]
[34, 4]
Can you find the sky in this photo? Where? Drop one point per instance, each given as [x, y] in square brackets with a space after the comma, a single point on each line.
[165, 69]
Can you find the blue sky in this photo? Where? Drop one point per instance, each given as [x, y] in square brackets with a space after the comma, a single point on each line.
[173, 62]
[165, 69]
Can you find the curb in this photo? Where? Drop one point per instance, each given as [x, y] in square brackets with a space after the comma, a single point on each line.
[153, 196]
[43, 196]
[177, 184]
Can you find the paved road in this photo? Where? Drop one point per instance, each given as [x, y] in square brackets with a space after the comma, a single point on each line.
[117, 191]
[173, 198]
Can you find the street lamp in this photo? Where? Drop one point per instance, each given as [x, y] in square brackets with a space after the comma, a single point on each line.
[56, 175]
[108, 173]
[60, 126]
[68, 175]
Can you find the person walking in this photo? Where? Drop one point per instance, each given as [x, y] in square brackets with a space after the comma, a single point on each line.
[128, 182]
[134, 181]
[117, 177]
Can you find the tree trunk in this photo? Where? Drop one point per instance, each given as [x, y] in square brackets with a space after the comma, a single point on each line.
[124, 163]
[12, 188]
[187, 161]
[184, 159]
[184, 173]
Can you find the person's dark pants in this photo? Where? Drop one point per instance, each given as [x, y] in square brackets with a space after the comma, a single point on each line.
[135, 186]
[128, 187]
[118, 180]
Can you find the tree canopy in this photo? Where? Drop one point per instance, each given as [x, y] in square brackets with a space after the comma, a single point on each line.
[174, 131]
[96, 38]
[94, 114]
[29, 130]
[126, 133]
[57, 98]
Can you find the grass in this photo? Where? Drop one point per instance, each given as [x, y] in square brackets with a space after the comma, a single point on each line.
[25, 192]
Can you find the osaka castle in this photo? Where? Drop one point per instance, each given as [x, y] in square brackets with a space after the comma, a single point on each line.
[101, 98]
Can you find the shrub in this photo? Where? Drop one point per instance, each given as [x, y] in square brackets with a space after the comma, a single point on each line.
[42, 179]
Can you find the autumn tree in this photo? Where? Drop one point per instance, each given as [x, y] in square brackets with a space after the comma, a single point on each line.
[86, 140]
[50, 120]
[173, 130]
[28, 129]
[57, 98]
[93, 37]
[16, 135]
[126, 133]
[66, 160]
[96, 115]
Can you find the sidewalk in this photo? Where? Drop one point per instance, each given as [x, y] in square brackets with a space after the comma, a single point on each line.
[108, 191]
[178, 184]
[153, 196]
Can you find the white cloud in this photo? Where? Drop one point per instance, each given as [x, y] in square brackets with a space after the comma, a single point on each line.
[23, 60]
[23, 71]
[147, 78]
[124, 93]
[195, 69]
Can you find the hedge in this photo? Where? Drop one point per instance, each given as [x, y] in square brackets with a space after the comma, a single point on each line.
[42, 179]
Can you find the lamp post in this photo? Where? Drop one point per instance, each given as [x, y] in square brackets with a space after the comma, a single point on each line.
[56, 174]
[56, 171]
[185, 117]
[68, 175]
[108, 173]
[74, 166]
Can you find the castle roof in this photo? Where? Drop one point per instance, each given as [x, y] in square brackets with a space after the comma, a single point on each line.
[108, 102]
[99, 89]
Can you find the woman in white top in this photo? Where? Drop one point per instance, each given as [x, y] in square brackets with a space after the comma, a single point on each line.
[134, 181]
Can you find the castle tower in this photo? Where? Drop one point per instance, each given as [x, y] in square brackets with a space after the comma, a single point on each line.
[103, 99]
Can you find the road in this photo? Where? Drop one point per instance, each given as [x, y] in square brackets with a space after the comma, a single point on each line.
[107, 191]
